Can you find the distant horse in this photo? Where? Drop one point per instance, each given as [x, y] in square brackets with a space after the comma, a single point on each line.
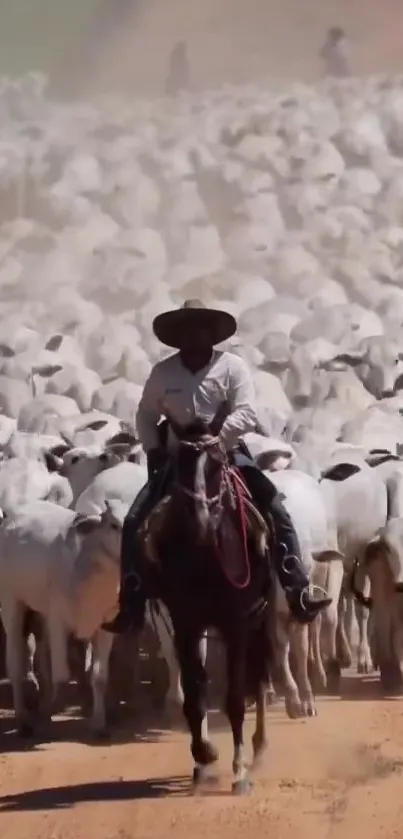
[204, 553]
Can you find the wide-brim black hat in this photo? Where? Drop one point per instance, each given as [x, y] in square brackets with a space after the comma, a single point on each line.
[167, 326]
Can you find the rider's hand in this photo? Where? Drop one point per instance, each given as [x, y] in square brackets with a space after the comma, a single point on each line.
[210, 441]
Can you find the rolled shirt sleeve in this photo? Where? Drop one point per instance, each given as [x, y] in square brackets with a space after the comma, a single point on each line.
[241, 399]
[149, 410]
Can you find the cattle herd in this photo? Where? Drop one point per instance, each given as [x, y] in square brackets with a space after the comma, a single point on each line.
[282, 206]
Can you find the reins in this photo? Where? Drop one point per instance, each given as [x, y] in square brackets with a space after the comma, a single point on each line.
[232, 483]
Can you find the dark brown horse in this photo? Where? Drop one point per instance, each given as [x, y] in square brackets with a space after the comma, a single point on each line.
[205, 555]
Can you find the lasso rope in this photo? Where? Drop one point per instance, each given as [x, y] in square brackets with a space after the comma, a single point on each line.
[232, 483]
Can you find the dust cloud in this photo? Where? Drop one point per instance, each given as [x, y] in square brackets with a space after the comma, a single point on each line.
[126, 44]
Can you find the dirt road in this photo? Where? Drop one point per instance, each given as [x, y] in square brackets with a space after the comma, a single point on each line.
[338, 775]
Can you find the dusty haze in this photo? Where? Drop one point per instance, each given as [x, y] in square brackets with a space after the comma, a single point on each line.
[228, 40]
[237, 40]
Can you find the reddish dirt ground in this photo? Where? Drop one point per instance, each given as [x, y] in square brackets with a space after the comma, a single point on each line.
[337, 775]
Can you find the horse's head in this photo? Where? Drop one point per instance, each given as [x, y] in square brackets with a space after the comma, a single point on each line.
[199, 477]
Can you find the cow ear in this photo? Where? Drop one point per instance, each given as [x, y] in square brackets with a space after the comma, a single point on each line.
[341, 361]
[269, 460]
[52, 462]
[126, 437]
[119, 449]
[86, 524]
[340, 472]
[46, 370]
[96, 425]
[6, 351]
[60, 449]
[54, 343]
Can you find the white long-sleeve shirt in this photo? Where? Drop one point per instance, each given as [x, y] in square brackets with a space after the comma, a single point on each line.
[173, 391]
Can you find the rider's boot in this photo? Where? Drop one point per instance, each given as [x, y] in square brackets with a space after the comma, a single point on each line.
[131, 614]
[287, 556]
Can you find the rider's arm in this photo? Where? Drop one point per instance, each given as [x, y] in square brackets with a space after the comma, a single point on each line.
[241, 400]
[149, 411]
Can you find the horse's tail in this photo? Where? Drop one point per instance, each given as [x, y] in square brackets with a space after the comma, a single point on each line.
[259, 653]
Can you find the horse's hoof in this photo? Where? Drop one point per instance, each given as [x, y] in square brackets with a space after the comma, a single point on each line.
[333, 686]
[45, 716]
[100, 735]
[25, 729]
[197, 775]
[205, 753]
[203, 778]
[391, 679]
[243, 787]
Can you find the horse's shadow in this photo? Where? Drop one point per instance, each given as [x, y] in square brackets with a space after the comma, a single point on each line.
[59, 798]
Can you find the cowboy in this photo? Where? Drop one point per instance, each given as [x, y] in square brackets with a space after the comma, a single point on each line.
[200, 381]
[335, 53]
[178, 78]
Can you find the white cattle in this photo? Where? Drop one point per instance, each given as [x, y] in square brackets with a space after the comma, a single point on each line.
[65, 567]
[59, 349]
[339, 324]
[14, 394]
[315, 455]
[390, 468]
[119, 397]
[281, 313]
[268, 452]
[78, 383]
[7, 429]
[27, 444]
[373, 428]
[125, 482]
[34, 415]
[314, 522]
[92, 427]
[313, 379]
[359, 497]
[382, 565]
[377, 362]
[25, 479]
[81, 464]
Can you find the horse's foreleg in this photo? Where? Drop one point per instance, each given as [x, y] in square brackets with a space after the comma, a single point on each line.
[194, 685]
[259, 738]
[235, 709]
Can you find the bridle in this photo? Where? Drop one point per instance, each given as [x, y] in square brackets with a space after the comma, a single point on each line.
[231, 484]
